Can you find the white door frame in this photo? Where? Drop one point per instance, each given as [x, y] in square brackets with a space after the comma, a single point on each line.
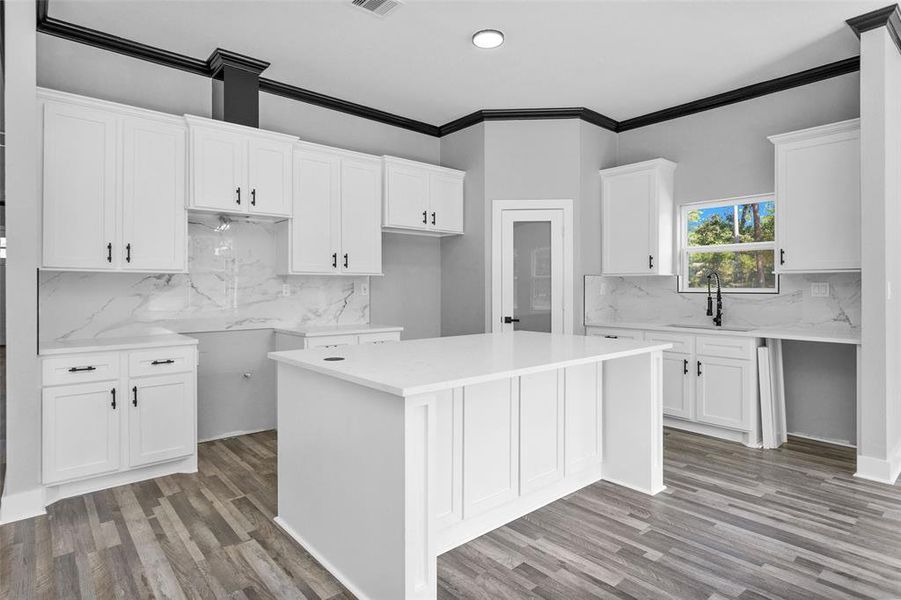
[498, 207]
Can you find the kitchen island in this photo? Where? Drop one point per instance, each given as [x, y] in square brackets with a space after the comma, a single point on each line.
[390, 455]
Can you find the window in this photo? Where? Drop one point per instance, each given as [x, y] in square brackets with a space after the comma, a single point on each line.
[734, 237]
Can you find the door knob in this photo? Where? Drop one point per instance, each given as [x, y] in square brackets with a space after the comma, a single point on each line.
[508, 320]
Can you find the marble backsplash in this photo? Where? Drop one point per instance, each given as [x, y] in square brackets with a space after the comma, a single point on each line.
[230, 284]
[655, 300]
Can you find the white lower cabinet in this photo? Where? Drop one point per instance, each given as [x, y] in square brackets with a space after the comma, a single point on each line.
[107, 413]
[709, 381]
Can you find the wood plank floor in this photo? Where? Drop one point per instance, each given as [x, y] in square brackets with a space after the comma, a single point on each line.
[733, 523]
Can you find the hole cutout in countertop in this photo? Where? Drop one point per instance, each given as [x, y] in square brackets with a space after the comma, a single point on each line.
[333, 358]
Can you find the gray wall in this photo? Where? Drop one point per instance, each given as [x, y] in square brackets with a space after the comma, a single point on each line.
[725, 152]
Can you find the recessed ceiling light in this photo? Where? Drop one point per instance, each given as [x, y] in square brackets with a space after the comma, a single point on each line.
[488, 38]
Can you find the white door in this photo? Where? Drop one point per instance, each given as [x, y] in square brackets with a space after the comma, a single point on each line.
[407, 201]
[532, 271]
[269, 177]
[361, 225]
[80, 430]
[79, 224]
[724, 391]
[629, 221]
[160, 418]
[316, 227]
[219, 170]
[446, 202]
[678, 375]
[153, 196]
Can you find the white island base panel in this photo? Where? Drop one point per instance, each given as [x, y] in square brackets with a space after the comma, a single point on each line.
[375, 486]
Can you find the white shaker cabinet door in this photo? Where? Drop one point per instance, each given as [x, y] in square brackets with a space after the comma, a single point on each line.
[219, 170]
[406, 196]
[316, 227]
[160, 418]
[361, 230]
[79, 179]
[445, 202]
[269, 177]
[678, 374]
[153, 196]
[725, 390]
[629, 219]
[80, 430]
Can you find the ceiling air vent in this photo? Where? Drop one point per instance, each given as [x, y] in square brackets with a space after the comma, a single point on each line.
[377, 7]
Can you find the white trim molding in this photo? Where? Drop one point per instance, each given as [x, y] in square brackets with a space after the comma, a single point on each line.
[22, 505]
[882, 470]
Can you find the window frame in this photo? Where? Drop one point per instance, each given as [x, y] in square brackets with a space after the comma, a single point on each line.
[685, 250]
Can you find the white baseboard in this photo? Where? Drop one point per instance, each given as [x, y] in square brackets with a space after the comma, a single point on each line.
[231, 434]
[879, 469]
[22, 505]
[648, 491]
[730, 435]
[356, 591]
[813, 438]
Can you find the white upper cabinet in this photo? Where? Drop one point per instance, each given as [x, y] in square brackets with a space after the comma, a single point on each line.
[113, 187]
[422, 198]
[818, 198]
[637, 219]
[336, 226]
[239, 169]
[79, 181]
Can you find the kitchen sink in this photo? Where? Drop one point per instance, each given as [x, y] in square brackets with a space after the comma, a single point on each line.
[712, 327]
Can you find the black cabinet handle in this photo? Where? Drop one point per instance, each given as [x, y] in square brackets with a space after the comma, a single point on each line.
[699, 368]
[650, 261]
[345, 260]
[238, 192]
[425, 217]
[781, 256]
[334, 260]
[685, 366]
[253, 197]
[80, 369]
[113, 403]
[612, 337]
[134, 395]
[109, 252]
[168, 361]
[433, 218]
[128, 252]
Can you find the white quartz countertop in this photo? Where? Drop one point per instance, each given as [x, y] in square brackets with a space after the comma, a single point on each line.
[322, 331]
[422, 366]
[111, 344]
[830, 335]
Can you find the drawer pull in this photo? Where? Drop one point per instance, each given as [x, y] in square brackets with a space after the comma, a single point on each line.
[612, 337]
[168, 361]
[81, 369]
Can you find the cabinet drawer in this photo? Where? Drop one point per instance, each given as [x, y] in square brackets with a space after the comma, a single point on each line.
[615, 333]
[332, 341]
[725, 347]
[160, 361]
[378, 338]
[681, 342]
[80, 368]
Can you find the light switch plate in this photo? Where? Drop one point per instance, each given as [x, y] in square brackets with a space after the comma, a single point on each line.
[819, 289]
[361, 288]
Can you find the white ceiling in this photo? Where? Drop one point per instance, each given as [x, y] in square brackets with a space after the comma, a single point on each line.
[622, 59]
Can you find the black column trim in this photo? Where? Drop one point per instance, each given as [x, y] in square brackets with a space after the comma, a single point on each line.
[780, 84]
[221, 58]
[888, 17]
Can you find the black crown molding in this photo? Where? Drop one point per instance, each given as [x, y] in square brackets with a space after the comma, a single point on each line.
[888, 17]
[212, 67]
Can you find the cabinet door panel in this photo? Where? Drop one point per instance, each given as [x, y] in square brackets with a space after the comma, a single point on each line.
[153, 196]
[541, 430]
[316, 228]
[80, 431]
[219, 171]
[160, 418]
[678, 374]
[445, 203]
[490, 448]
[818, 191]
[79, 178]
[448, 505]
[725, 389]
[407, 193]
[583, 417]
[361, 230]
[269, 177]
[628, 223]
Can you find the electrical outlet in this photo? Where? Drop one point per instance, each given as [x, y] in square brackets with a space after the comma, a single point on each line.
[286, 290]
[819, 289]
[361, 288]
